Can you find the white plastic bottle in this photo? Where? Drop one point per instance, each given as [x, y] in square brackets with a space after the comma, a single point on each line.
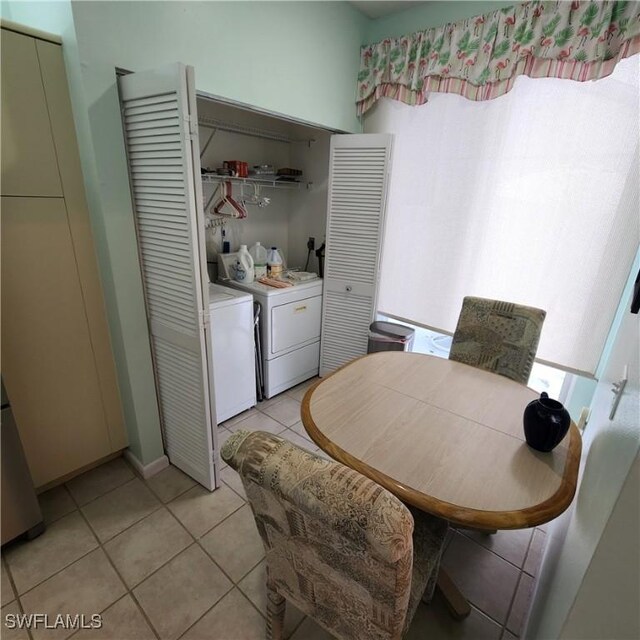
[244, 266]
[274, 262]
[259, 255]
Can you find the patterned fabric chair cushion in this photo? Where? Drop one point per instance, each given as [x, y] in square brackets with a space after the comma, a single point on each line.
[341, 548]
[498, 336]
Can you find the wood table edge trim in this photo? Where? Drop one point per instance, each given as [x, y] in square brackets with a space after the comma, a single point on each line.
[547, 510]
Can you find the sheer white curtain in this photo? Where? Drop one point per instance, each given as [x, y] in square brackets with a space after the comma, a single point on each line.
[531, 197]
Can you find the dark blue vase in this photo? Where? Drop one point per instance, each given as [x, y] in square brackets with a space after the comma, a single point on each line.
[546, 422]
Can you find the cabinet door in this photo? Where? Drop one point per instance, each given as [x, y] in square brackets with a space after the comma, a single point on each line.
[29, 165]
[48, 366]
[161, 134]
[54, 80]
[358, 178]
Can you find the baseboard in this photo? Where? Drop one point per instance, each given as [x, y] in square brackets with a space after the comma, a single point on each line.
[146, 470]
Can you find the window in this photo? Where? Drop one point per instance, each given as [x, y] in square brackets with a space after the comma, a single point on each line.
[531, 197]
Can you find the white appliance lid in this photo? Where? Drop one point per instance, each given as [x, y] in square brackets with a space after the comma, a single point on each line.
[219, 294]
[257, 288]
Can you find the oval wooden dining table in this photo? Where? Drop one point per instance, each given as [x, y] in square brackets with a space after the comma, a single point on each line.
[444, 437]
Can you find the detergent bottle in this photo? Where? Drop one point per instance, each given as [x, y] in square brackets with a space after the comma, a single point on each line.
[274, 262]
[244, 266]
[259, 255]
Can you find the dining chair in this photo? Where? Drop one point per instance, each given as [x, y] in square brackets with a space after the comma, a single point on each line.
[338, 546]
[497, 336]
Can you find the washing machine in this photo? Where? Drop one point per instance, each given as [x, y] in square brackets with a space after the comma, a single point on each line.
[289, 328]
[233, 358]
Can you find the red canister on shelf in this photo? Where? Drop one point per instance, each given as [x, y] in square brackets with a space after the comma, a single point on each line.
[238, 168]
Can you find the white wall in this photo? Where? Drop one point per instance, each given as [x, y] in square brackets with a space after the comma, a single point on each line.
[308, 215]
[599, 526]
[607, 604]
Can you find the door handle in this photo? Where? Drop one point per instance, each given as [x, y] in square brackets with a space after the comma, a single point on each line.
[618, 390]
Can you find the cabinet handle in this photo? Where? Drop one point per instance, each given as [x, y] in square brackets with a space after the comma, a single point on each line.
[299, 309]
[348, 288]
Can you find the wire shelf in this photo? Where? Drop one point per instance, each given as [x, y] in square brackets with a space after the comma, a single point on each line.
[274, 184]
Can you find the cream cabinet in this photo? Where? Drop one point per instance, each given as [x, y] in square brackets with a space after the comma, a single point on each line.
[57, 363]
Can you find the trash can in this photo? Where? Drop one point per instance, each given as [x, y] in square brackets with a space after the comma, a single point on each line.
[388, 336]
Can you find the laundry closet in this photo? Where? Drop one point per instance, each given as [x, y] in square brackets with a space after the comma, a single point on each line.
[279, 165]
[190, 156]
[282, 212]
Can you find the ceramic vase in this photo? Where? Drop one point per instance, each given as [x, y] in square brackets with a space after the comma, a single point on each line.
[546, 423]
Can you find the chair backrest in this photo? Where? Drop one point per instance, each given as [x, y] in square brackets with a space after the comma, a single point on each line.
[338, 545]
[497, 336]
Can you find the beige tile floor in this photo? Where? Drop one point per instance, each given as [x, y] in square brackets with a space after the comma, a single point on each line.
[164, 558]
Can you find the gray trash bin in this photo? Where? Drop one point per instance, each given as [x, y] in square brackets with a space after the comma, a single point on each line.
[388, 336]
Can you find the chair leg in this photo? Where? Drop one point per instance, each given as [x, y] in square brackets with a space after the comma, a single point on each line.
[457, 604]
[275, 613]
[427, 596]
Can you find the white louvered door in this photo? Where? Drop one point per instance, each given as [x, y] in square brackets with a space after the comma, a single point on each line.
[161, 133]
[358, 178]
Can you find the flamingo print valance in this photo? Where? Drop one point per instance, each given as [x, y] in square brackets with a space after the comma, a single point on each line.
[481, 57]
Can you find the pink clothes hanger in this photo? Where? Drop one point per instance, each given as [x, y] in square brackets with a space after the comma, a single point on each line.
[228, 206]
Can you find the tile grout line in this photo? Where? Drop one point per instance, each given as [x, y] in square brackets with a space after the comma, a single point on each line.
[99, 546]
[533, 575]
[501, 625]
[234, 491]
[193, 538]
[260, 410]
[122, 484]
[252, 603]
[127, 590]
[196, 542]
[164, 504]
[60, 486]
[513, 599]
[495, 553]
[77, 631]
[16, 599]
[66, 566]
[235, 585]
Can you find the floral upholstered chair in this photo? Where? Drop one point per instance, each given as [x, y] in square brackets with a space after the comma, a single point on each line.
[497, 336]
[338, 546]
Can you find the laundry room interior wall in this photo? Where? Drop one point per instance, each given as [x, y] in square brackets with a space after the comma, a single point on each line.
[293, 215]
[268, 225]
[308, 215]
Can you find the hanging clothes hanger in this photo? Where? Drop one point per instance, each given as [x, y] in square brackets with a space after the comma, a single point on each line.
[228, 206]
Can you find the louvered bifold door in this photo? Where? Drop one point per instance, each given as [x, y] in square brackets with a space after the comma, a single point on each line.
[358, 178]
[160, 124]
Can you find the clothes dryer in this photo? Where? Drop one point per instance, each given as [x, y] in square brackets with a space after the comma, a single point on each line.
[290, 329]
